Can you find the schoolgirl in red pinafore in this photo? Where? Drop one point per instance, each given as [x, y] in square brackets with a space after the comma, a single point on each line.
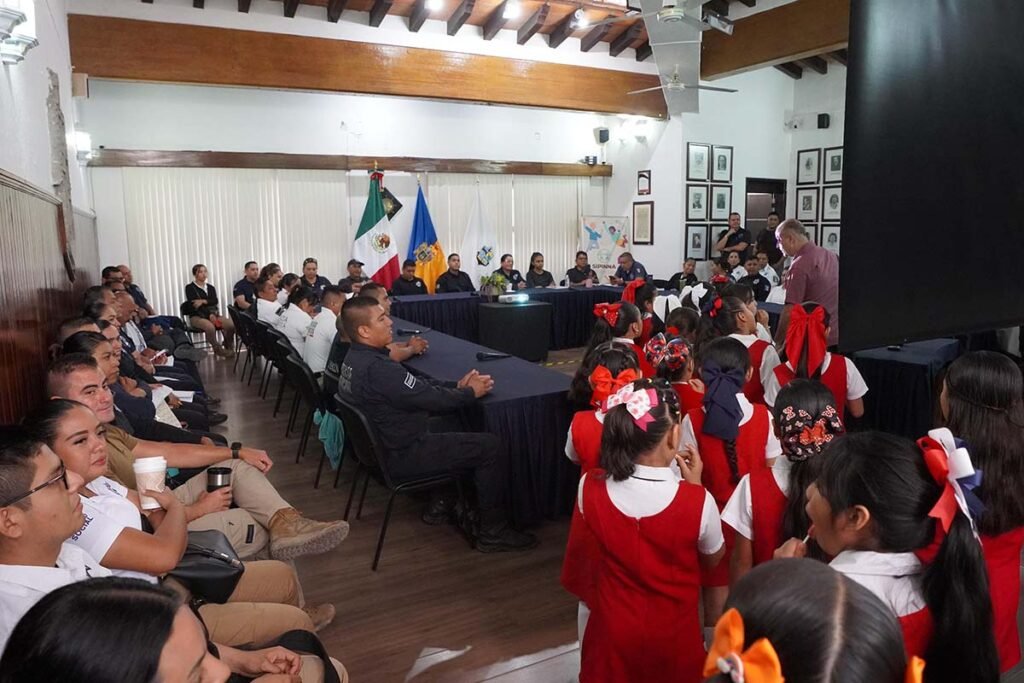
[649, 529]
[728, 414]
[763, 358]
[641, 294]
[583, 445]
[807, 421]
[1002, 560]
[807, 334]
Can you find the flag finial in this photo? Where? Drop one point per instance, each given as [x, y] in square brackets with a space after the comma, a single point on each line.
[417, 179]
[375, 166]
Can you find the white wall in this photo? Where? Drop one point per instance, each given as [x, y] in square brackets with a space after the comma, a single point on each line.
[24, 131]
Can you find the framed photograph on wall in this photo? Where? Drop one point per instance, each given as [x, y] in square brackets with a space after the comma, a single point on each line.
[832, 169]
[643, 222]
[698, 161]
[831, 202]
[808, 166]
[721, 202]
[807, 204]
[813, 233]
[643, 182]
[721, 172]
[697, 202]
[830, 237]
[696, 242]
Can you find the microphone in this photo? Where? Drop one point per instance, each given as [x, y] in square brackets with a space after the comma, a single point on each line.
[405, 331]
[490, 355]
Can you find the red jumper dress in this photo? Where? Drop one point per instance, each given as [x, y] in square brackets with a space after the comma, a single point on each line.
[1002, 559]
[768, 507]
[834, 378]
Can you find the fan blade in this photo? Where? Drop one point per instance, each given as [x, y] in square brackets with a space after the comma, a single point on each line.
[695, 23]
[708, 87]
[637, 92]
[677, 42]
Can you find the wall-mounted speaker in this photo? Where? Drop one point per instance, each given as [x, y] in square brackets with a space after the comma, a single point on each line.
[601, 135]
[824, 120]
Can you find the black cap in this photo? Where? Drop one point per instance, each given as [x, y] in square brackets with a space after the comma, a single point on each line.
[355, 262]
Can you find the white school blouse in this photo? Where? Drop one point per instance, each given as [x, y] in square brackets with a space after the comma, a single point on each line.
[894, 577]
[856, 387]
[739, 511]
[769, 359]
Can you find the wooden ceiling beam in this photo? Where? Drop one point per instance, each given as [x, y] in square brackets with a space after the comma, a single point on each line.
[816, 64]
[784, 34]
[719, 6]
[644, 51]
[243, 5]
[791, 69]
[290, 7]
[495, 21]
[459, 16]
[533, 24]
[418, 15]
[749, 3]
[561, 31]
[840, 56]
[379, 11]
[198, 4]
[334, 10]
[626, 38]
[595, 35]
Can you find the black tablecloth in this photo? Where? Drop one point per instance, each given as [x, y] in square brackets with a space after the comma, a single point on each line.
[527, 409]
[901, 391]
[572, 314]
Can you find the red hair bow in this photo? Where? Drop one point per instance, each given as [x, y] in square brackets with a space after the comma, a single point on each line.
[604, 384]
[629, 293]
[672, 331]
[806, 329]
[716, 306]
[608, 312]
[816, 435]
[946, 466]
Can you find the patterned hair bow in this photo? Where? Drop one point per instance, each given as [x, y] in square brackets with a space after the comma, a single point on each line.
[759, 663]
[608, 312]
[804, 435]
[604, 384]
[674, 353]
[806, 330]
[946, 464]
[629, 293]
[639, 403]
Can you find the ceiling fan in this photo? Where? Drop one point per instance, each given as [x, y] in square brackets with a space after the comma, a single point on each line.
[673, 84]
[671, 13]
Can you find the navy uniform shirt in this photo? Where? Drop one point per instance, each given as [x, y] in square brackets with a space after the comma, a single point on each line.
[245, 289]
[637, 272]
[678, 281]
[339, 349]
[760, 284]
[449, 282]
[575, 276]
[397, 403]
[403, 287]
[515, 277]
[317, 286]
[739, 237]
[346, 283]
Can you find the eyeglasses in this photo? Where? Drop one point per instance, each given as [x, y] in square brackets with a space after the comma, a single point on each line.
[62, 475]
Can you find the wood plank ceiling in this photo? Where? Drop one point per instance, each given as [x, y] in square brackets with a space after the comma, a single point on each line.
[553, 18]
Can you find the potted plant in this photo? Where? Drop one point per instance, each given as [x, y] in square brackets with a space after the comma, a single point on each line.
[491, 286]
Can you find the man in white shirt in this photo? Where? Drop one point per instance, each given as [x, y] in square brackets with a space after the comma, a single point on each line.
[267, 308]
[323, 328]
[39, 510]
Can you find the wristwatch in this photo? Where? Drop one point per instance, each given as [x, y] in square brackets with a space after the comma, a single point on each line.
[235, 448]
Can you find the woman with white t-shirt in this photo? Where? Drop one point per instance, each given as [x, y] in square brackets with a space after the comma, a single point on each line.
[298, 315]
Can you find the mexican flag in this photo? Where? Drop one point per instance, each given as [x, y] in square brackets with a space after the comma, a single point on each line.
[374, 245]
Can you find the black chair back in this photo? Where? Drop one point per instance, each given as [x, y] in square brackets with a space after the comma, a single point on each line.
[302, 378]
[359, 432]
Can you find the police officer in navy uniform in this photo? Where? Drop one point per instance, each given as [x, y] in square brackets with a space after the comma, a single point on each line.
[408, 283]
[355, 279]
[398, 406]
[510, 274]
[453, 279]
[628, 270]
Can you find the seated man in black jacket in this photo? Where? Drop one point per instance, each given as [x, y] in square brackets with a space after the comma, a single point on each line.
[398, 405]
[408, 283]
[453, 279]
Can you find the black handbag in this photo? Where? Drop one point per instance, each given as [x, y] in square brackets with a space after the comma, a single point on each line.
[210, 567]
[301, 643]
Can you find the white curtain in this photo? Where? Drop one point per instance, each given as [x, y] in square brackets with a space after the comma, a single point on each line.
[451, 196]
[547, 220]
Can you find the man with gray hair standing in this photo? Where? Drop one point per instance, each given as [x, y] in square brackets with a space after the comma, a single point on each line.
[813, 276]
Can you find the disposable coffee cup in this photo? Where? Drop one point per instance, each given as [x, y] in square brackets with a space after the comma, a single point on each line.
[150, 475]
[217, 478]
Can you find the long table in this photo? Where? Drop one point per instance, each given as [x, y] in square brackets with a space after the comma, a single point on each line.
[528, 410]
[457, 314]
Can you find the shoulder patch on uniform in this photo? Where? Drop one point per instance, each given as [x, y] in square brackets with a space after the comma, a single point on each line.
[410, 381]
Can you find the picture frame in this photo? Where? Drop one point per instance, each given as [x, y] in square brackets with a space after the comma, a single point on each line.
[697, 200]
[831, 202]
[697, 241]
[698, 161]
[807, 204]
[832, 165]
[813, 233]
[830, 237]
[643, 222]
[721, 202]
[643, 182]
[808, 166]
[715, 233]
[721, 172]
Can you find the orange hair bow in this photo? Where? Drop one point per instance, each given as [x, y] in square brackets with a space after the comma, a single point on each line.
[915, 671]
[759, 663]
[604, 384]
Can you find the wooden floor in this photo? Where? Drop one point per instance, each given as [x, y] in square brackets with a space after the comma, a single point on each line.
[435, 610]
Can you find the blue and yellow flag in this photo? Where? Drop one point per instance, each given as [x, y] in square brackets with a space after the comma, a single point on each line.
[424, 248]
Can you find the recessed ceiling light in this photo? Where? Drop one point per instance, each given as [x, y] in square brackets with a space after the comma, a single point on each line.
[435, 5]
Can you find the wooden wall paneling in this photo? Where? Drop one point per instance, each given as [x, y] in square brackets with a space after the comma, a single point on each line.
[106, 47]
[784, 34]
[35, 293]
[328, 162]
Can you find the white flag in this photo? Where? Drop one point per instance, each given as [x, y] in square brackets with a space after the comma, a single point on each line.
[479, 248]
